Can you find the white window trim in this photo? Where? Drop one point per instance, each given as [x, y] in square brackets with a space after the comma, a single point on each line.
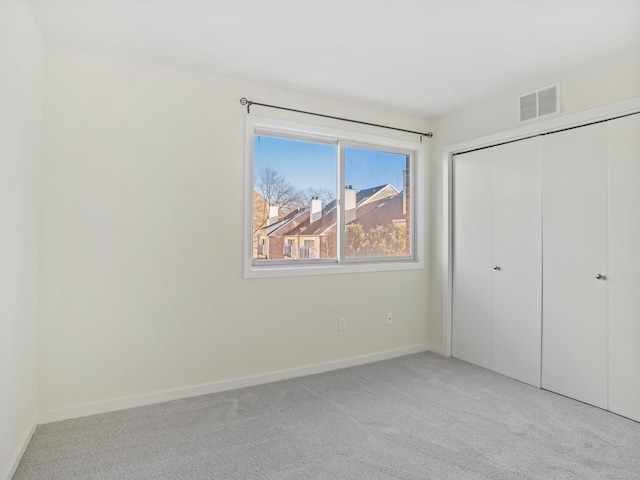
[320, 267]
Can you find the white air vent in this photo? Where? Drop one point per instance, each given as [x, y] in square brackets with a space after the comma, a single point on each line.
[542, 102]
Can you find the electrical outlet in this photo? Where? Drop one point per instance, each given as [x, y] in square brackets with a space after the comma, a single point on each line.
[389, 318]
[342, 324]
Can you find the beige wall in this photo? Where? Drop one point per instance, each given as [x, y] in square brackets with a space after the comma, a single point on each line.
[142, 233]
[21, 87]
[601, 82]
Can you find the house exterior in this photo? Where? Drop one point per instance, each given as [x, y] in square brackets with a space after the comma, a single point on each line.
[260, 217]
[310, 233]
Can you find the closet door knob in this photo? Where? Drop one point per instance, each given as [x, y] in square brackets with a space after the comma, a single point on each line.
[496, 267]
[599, 276]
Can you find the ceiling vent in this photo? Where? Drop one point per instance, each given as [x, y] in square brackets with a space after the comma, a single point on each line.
[540, 103]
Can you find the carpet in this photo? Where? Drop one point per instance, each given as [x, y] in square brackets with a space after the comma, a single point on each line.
[420, 416]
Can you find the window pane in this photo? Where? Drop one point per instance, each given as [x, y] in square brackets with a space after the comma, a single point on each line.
[294, 207]
[377, 203]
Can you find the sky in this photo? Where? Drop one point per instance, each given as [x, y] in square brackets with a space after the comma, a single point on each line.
[306, 164]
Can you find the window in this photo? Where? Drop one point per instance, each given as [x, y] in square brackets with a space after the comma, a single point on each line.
[377, 203]
[329, 201]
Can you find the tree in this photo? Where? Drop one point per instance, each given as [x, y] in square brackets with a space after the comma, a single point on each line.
[355, 240]
[380, 240]
[276, 190]
[325, 194]
[260, 213]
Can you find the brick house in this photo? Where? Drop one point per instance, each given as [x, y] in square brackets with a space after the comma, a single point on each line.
[311, 232]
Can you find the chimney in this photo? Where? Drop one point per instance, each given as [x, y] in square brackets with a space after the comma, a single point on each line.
[349, 204]
[273, 215]
[315, 210]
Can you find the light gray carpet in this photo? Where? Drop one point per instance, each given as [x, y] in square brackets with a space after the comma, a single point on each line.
[416, 417]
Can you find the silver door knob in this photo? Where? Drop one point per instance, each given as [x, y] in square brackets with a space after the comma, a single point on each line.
[599, 276]
[496, 267]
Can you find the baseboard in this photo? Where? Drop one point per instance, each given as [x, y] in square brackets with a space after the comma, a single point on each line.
[435, 349]
[224, 385]
[13, 466]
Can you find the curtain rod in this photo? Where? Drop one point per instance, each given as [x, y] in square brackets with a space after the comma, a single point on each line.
[549, 132]
[248, 103]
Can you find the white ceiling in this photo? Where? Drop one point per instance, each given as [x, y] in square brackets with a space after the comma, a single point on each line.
[426, 57]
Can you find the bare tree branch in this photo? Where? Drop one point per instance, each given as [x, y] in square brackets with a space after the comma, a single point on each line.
[325, 194]
[277, 190]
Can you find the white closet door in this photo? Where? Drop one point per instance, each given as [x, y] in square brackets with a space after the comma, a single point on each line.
[472, 250]
[575, 307]
[624, 266]
[517, 253]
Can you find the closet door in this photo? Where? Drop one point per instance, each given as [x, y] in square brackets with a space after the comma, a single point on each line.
[497, 259]
[575, 288]
[624, 266]
[517, 257]
[472, 255]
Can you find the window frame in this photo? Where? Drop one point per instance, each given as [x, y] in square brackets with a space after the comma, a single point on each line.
[342, 258]
[341, 138]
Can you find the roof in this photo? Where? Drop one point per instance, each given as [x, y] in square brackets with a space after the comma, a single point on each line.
[373, 193]
[374, 206]
[380, 212]
[305, 227]
[288, 218]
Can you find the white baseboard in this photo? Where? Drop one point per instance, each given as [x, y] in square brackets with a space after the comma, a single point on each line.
[13, 466]
[204, 389]
[435, 349]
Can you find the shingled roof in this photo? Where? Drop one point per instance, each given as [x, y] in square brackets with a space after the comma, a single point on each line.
[374, 206]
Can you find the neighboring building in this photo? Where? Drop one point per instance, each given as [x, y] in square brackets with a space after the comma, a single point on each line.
[262, 237]
[311, 232]
[260, 218]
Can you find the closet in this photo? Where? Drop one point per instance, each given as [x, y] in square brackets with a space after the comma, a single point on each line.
[575, 287]
[623, 153]
[497, 259]
[546, 262]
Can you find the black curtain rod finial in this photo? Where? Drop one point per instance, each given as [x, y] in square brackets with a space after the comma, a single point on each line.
[248, 103]
[428, 135]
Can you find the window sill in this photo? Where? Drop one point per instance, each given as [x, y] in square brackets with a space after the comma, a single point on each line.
[306, 269]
